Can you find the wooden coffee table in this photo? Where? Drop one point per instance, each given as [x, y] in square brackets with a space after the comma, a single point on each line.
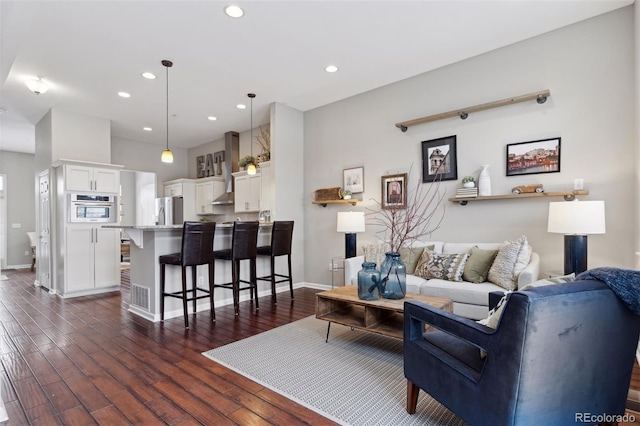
[383, 316]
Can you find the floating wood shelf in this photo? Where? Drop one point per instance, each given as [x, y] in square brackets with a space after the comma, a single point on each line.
[463, 113]
[353, 202]
[567, 195]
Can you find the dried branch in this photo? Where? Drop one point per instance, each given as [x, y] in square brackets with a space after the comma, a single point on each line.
[264, 140]
[422, 216]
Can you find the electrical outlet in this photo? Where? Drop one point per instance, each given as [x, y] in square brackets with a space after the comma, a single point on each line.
[16, 225]
[578, 184]
[330, 266]
[200, 280]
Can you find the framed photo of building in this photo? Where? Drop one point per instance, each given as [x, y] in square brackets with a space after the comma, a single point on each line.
[528, 158]
[439, 159]
[394, 191]
[353, 180]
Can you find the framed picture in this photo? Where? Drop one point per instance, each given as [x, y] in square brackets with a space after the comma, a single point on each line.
[439, 159]
[528, 158]
[394, 191]
[353, 180]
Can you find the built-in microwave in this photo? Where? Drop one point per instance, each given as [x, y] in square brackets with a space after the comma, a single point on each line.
[92, 208]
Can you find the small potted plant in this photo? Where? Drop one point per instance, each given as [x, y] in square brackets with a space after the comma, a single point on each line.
[246, 161]
[468, 182]
[346, 194]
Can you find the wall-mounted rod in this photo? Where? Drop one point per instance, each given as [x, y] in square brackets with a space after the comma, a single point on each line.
[540, 97]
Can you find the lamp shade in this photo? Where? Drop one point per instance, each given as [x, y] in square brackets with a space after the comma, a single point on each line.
[576, 217]
[350, 222]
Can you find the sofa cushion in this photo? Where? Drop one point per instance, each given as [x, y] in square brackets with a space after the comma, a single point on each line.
[477, 267]
[411, 256]
[503, 268]
[443, 266]
[461, 292]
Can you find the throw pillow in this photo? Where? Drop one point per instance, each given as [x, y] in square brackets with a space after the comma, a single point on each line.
[421, 266]
[446, 266]
[502, 270]
[477, 267]
[411, 256]
[374, 253]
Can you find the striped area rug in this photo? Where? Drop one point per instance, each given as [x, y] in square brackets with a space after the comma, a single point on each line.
[355, 379]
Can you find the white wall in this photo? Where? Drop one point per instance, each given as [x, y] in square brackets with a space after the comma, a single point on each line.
[82, 137]
[636, 9]
[589, 69]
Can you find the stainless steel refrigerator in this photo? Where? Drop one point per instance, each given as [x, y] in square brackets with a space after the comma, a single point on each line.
[169, 211]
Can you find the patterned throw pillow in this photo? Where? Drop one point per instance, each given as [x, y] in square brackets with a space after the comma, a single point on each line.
[446, 266]
[411, 256]
[502, 271]
[421, 266]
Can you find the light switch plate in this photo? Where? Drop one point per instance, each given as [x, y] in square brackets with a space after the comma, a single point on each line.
[16, 225]
[578, 184]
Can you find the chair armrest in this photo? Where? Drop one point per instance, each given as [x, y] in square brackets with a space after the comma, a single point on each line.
[351, 267]
[418, 313]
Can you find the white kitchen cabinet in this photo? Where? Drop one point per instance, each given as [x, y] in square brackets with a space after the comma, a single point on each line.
[91, 179]
[247, 193]
[173, 190]
[207, 190]
[92, 258]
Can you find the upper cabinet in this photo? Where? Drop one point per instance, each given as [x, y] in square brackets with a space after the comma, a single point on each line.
[91, 179]
[254, 192]
[207, 190]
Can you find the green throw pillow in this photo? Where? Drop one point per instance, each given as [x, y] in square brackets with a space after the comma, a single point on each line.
[411, 255]
[478, 264]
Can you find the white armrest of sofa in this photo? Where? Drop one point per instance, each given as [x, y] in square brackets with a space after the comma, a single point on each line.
[351, 267]
[530, 273]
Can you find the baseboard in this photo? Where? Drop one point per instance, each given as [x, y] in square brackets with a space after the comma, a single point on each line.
[25, 266]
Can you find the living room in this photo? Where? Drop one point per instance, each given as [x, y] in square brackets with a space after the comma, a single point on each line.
[592, 73]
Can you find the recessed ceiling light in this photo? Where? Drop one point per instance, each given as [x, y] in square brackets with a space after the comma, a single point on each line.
[149, 75]
[234, 11]
[331, 68]
[241, 106]
[212, 118]
[147, 129]
[124, 95]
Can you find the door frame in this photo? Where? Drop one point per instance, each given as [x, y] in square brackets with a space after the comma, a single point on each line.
[3, 221]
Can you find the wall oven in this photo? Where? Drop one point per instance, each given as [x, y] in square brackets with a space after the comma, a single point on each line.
[89, 208]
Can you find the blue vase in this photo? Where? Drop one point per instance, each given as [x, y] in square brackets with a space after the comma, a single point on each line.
[368, 282]
[393, 277]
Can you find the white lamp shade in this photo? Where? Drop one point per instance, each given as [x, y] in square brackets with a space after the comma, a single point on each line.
[576, 217]
[167, 156]
[350, 222]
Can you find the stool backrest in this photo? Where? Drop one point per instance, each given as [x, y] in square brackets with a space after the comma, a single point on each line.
[281, 236]
[245, 240]
[197, 243]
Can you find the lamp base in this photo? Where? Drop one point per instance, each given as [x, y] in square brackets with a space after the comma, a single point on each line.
[349, 245]
[575, 254]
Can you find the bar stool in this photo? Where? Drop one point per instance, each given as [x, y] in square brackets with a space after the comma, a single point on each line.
[197, 249]
[281, 235]
[243, 247]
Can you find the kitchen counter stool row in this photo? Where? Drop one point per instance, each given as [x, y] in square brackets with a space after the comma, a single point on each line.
[197, 249]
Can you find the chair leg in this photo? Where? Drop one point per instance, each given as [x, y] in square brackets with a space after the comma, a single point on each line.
[290, 275]
[211, 287]
[412, 397]
[253, 279]
[194, 286]
[162, 275]
[273, 280]
[235, 276]
[184, 296]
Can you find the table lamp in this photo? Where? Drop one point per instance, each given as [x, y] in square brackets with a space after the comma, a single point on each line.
[576, 219]
[350, 223]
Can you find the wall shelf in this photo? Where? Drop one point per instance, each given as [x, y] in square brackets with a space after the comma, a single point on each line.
[353, 202]
[567, 195]
[540, 97]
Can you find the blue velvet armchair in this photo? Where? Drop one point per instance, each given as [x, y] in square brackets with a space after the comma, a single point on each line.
[561, 354]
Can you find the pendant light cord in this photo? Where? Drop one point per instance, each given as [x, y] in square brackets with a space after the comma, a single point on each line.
[167, 107]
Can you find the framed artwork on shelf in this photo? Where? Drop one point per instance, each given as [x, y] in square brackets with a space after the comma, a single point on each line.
[394, 192]
[439, 159]
[528, 158]
[353, 180]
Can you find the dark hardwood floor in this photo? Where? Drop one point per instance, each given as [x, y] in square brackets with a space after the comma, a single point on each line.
[87, 360]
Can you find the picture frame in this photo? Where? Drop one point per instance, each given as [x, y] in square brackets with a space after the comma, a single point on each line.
[353, 180]
[439, 159]
[394, 191]
[533, 157]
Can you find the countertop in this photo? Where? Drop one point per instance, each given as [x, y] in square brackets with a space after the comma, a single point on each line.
[171, 227]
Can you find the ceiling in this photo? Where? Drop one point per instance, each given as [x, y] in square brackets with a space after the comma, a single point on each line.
[87, 51]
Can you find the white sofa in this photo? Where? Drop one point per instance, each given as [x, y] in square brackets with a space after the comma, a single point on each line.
[470, 300]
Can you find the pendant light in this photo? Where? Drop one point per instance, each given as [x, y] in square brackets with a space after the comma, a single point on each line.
[167, 155]
[251, 169]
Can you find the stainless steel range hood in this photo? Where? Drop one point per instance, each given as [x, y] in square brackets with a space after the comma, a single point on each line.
[231, 158]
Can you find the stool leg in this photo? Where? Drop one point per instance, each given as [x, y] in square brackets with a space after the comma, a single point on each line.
[162, 275]
[184, 296]
[254, 280]
[211, 275]
[273, 280]
[194, 286]
[235, 276]
[290, 276]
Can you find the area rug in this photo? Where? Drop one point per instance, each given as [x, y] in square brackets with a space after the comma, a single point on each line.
[356, 378]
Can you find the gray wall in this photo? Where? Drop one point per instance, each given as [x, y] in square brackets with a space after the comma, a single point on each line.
[589, 69]
[21, 209]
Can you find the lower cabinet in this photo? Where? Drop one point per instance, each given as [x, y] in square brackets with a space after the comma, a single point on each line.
[92, 258]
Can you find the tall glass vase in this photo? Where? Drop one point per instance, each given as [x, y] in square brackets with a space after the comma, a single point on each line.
[484, 182]
[393, 277]
[368, 282]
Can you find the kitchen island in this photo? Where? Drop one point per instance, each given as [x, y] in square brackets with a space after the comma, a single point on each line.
[150, 242]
